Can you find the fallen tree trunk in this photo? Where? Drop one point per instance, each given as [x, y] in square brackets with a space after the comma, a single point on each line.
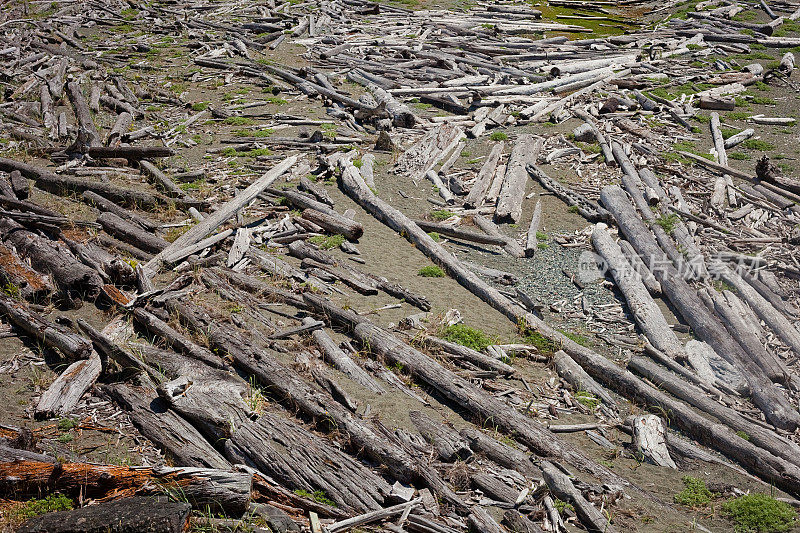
[14, 272]
[228, 491]
[769, 399]
[133, 235]
[509, 202]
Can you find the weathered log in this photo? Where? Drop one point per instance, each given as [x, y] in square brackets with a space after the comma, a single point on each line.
[536, 219]
[72, 277]
[562, 488]
[125, 514]
[17, 276]
[570, 371]
[509, 203]
[82, 113]
[477, 358]
[161, 179]
[770, 400]
[133, 235]
[500, 453]
[586, 208]
[175, 339]
[759, 435]
[511, 247]
[372, 516]
[649, 280]
[120, 129]
[221, 215]
[349, 229]
[50, 335]
[646, 312]
[460, 234]
[481, 184]
[479, 521]
[650, 440]
[447, 442]
[310, 400]
[342, 362]
[166, 429]
[68, 388]
[228, 491]
[519, 523]
[494, 488]
[105, 204]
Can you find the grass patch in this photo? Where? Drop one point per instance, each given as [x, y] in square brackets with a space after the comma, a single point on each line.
[737, 115]
[588, 399]
[575, 337]
[727, 133]
[232, 152]
[200, 106]
[695, 493]
[543, 345]
[498, 136]
[325, 242]
[468, 336]
[431, 271]
[318, 496]
[435, 236]
[441, 214]
[193, 185]
[758, 144]
[760, 513]
[53, 502]
[763, 100]
[668, 222]
[266, 132]
[743, 435]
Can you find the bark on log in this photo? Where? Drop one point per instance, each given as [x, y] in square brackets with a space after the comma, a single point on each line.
[342, 362]
[82, 113]
[349, 229]
[578, 378]
[105, 204]
[447, 442]
[14, 272]
[650, 440]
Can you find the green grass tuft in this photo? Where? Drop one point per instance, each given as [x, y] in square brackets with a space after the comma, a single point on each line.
[468, 336]
[696, 493]
[498, 136]
[238, 121]
[758, 144]
[668, 222]
[431, 271]
[53, 502]
[760, 513]
[543, 345]
[441, 214]
[325, 242]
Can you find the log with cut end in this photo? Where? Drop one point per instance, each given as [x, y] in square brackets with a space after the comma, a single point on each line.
[337, 225]
[17, 275]
[533, 229]
[66, 391]
[446, 441]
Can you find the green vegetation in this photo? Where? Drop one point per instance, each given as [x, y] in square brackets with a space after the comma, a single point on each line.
[743, 435]
[588, 399]
[53, 502]
[274, 100]
[758, 144]
[232, 152]
[760, 513]
[193, 185]
[200, 106]
[543, 346]
[668, 222]
[541, 236]
[435, 236]
[431, 271]
[65, 424]
[441, 214]
[696, 493]
[498, 136]
[763, 100]
[318, 496]
[727, 133]
[738, 115]
[562, 506]
[468, 336]
[423, 106]
[325, 242]
[575, 337]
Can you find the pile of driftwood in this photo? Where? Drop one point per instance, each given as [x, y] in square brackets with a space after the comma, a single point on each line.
[234, 382]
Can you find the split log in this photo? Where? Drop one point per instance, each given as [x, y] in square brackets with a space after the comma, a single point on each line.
[509, 202]
[120, 129]
[770, 400]
[479, 521]
[125, 514]
[228, 491]
[133, 235]
[481, 184]
[68, 388]
[372, 517]
[221, 215]
[650, 440]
